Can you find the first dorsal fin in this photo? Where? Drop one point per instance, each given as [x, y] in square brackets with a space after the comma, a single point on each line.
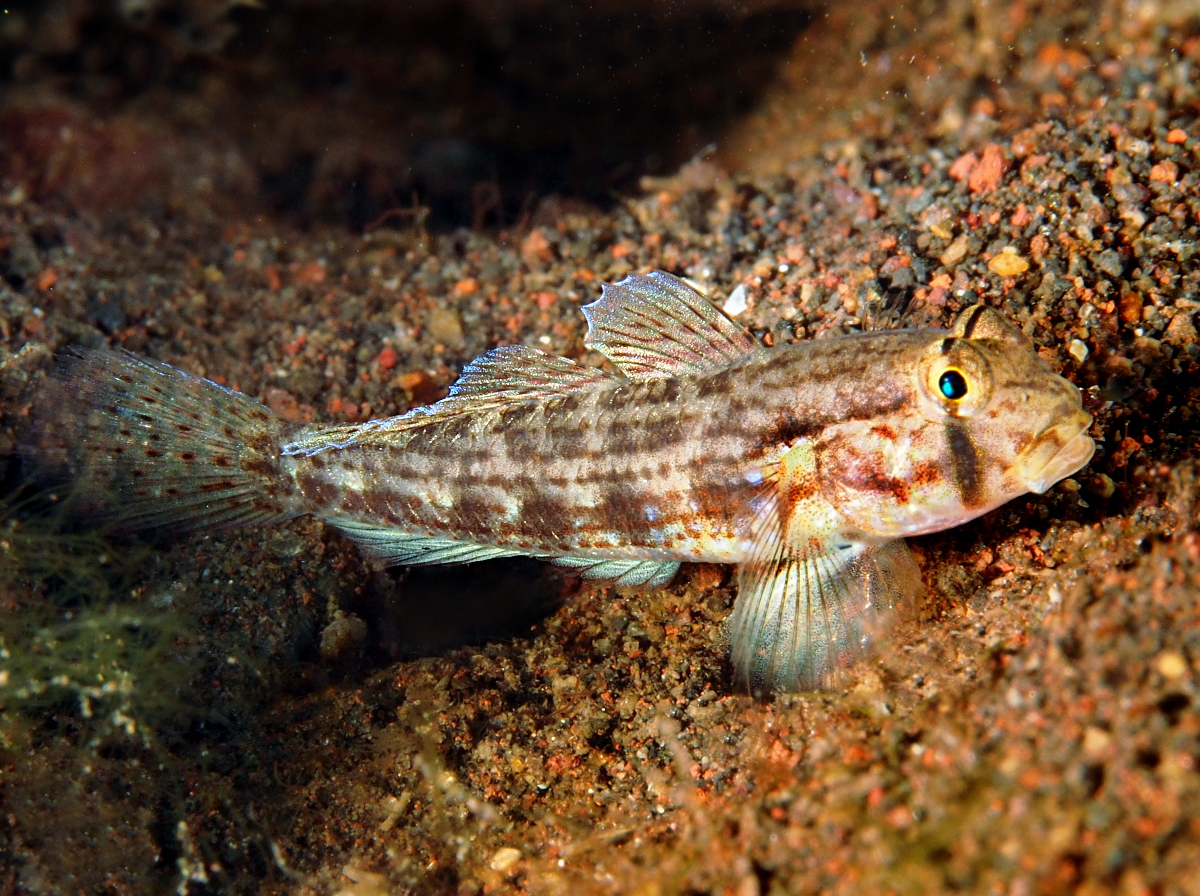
[654, 326]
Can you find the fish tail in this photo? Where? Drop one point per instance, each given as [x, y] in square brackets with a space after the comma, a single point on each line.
[152, 447]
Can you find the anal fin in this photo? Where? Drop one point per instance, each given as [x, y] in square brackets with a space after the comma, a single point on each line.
[397, 548]
[623, 573]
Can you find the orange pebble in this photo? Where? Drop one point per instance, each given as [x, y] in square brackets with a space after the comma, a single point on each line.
[1165, 172]
[311, 274]
[386, 359]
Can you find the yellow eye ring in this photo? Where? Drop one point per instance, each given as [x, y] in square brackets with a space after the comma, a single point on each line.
[952, 384]
[955, 378]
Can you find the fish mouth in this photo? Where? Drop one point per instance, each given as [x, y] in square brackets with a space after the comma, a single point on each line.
[1057, 452]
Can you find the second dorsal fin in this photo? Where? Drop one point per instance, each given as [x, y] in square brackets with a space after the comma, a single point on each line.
[518, 372]
[498, 378]
[654, 325]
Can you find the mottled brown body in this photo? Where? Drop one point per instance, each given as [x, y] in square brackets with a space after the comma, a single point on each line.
[804, 464]
[672, 468]
[661, 469]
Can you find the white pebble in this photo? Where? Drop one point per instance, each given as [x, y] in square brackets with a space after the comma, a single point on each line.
[736, 303]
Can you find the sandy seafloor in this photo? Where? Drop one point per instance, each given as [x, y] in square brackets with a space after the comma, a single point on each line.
[261, 712]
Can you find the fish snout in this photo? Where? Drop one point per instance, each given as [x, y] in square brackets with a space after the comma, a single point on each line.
[1057, 452]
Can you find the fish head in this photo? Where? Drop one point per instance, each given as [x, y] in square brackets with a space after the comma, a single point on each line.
[1025, 422]
[1007, 424]
[989, 420]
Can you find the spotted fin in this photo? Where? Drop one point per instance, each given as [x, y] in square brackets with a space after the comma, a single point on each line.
[403, 549]
[623, 573]
[799, 621]
[654, 326]
[153, 448]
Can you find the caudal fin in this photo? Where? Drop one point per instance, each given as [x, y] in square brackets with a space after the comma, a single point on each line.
[153, 447]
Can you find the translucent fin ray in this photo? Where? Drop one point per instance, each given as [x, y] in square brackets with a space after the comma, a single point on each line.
[623, 573]
[799, 620]
[655, 325]
[151, 447]
[402, 549]
[519, 373]
[503, 376]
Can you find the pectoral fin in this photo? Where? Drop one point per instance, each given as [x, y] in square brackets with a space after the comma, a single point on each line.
[801, 618]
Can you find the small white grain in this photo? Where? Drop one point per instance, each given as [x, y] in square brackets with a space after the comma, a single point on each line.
[736, 303]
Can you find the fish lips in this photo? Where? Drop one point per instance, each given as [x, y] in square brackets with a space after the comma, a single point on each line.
[1056, 452]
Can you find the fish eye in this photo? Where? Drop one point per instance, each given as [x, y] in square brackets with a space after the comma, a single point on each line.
[952, 384]
[955, 378]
